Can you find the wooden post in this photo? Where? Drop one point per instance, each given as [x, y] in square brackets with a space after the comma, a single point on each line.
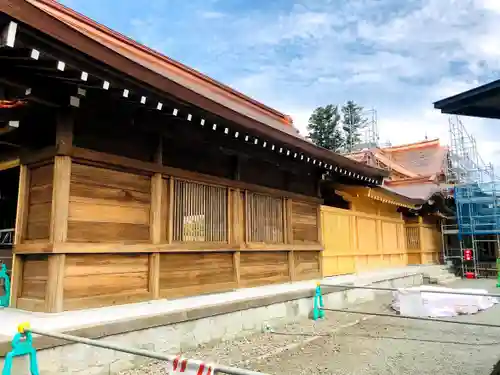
[55, 283]
[157, 222]
[353, 221]
[16, 279]
[288, 235]
[318, 221]
[236, 168]
[59, 213]
[421, 240]
[244, 206]
[154, 275]
[64, 132]
[58, 232]
[19, 233]
[380, 236]
[236, 212]
[60, 199]
[157, 219]
[231, 217]
[236, 265]
[320, 239]
[171, 202]
[22, 205]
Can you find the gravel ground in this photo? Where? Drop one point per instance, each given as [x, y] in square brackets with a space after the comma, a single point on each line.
[357, 344]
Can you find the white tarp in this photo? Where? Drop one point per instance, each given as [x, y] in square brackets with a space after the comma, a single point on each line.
[417, 301]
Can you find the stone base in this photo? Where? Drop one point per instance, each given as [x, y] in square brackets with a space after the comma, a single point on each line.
[242, 313]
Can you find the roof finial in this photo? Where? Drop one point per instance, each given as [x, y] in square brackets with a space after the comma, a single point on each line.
[426, 135]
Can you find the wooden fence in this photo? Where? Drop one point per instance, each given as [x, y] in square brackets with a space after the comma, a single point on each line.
[355, 241]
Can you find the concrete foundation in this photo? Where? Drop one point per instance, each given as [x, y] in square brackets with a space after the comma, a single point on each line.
[238, 314]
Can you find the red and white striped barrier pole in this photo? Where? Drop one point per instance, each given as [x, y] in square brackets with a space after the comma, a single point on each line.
[186, 367]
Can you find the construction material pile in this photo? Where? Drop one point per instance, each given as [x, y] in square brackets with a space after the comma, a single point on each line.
[420, 301]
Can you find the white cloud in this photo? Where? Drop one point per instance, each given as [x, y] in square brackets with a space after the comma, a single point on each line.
[396, 56]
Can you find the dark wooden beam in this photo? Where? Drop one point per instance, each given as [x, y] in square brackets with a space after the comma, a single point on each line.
[64, 131]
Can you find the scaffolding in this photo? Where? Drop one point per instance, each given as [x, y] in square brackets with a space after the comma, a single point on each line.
[369, 133]
[465, 164]
[476, 225]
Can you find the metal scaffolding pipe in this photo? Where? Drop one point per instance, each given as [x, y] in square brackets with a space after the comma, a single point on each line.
[220, 369]
[399, 289]
[414, 318]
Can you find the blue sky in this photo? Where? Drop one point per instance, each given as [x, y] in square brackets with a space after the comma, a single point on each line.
[392, 55]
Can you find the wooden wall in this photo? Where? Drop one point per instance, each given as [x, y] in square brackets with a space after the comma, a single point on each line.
[304, 222]
[194, 273]
[134, 234]
[40, 202]
[423, 242]
[357, 241]
[32, 277]
[93, 280]
[108, 206]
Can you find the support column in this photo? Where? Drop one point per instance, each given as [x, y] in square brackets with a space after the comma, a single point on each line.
[288, 235]
[19, 232]
[236, 220]
[421, 240]
[60, 211]
[158, 225]
[236, 224]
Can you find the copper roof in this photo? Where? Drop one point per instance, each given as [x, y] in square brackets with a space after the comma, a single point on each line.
[414, 160]
[415, 191]
[167, 67]
[422, 158]
[158, 73]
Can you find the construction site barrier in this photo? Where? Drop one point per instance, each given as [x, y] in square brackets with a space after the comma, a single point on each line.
[4, 276]
[343, 287]
[318, 305]
[22, 344]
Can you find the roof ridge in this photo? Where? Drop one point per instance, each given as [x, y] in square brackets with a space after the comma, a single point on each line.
[409, 146]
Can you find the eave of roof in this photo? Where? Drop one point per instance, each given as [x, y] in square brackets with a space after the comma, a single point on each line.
[419, 179]
[412, 146]
[482, 101]
[380, 193]
[25, 12]
[379, 154]
[421, 191]
[166, 66]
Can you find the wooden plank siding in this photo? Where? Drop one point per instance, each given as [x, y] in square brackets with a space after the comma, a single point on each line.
[135, 234]
[108, 206]
[40, 202]
[423, 242]
[361, 240]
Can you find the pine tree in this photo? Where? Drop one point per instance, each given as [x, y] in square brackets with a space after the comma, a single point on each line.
[324, 128]
[352, 124]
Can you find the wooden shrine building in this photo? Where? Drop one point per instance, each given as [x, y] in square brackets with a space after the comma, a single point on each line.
[127, 176]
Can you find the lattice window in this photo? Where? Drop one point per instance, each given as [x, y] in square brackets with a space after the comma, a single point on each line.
[412, 238]
[200, 212]
[264, 218]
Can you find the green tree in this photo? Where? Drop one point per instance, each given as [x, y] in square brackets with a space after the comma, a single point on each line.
[324, 128]
[353, 122]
